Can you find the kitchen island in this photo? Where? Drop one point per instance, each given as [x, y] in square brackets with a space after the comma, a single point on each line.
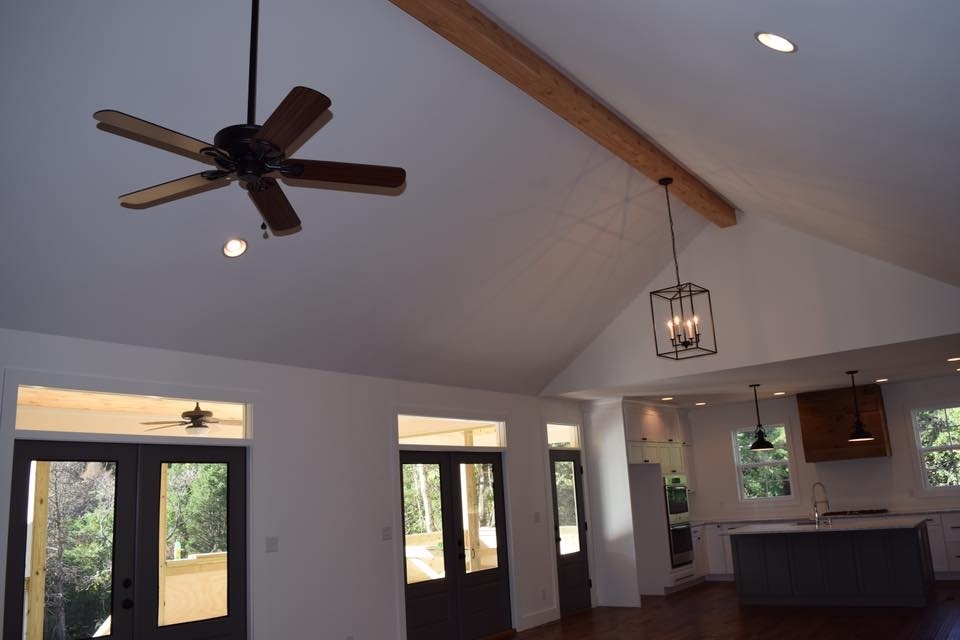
[857, 562]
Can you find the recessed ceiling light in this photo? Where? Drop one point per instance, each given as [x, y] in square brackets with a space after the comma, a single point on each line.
[882, 380]
[234, 247]
[700, 404]
[667, 398]
[957, 359]
[775, 42]
[779, 393]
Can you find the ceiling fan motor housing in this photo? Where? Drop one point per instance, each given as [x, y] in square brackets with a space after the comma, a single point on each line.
[248, 155]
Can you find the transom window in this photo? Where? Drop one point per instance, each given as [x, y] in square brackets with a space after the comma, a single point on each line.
[449, 432]
[563, 436]
[938, 440]
[762, 474]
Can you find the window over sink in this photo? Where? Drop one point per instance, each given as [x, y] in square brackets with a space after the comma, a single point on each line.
[938, 442]
[762, 475]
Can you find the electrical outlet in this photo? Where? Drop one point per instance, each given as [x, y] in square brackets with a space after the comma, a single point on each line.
[386, 533]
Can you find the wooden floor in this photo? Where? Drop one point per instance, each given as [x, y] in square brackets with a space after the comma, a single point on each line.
[711, 612]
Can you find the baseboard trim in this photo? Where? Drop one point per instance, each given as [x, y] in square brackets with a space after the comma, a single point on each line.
[503, 635]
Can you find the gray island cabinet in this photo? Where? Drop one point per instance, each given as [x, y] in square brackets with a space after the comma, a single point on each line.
[856, 562]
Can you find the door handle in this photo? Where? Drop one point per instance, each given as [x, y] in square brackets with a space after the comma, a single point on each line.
[127, 603]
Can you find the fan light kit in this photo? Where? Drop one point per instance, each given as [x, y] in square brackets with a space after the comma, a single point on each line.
[253, 155]
[234, 247]
[775, 42]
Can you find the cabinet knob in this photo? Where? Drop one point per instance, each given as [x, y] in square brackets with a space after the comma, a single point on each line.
[643, 438]
[646, 461]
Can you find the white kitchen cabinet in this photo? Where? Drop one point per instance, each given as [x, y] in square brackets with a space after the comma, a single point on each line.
[714, 542]
[951, 526]
[647, 424]
[953, 555]
[671, 458]
[643, 453]
[938, 548]
[701, 561]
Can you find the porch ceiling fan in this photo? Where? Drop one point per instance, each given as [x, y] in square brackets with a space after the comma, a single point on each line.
[253, 155]
[196, 418]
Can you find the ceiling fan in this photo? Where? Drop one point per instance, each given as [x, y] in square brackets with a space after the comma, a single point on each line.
[196, 418]
[254, 155]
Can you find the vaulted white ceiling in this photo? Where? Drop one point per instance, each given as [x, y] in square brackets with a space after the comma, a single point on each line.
[517, 239]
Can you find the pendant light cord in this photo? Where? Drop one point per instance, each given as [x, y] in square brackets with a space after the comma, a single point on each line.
[252, 78]
[666, 182]
[756, 404]
[853, 385]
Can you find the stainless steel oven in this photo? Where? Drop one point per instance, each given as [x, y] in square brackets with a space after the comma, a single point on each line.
[678, 515]
[681, 545]
[678, 509]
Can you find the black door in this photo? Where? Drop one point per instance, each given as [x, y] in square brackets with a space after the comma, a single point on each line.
[573, 572]
[457, 584]
[126, 541]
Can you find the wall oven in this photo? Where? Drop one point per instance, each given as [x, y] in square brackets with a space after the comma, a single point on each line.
[678, 516]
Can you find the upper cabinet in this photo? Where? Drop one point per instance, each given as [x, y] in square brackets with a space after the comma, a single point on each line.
[826, 421]
[646, 423]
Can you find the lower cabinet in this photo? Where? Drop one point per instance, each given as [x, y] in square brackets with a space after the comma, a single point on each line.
[888, 567]
[701, 558]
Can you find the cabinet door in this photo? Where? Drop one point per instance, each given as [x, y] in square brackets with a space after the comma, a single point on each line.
[938, 548]
[646, 424]
[716, 562]
[951, 527]
[643, 453]
[671, 458]
[701, 565]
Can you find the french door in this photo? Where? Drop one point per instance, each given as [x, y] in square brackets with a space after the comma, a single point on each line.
[457, 584]
[573, 571]
[126, 541]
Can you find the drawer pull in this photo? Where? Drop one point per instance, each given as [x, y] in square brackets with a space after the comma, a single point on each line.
[953, 526]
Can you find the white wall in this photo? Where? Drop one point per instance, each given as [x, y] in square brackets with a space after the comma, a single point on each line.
[777, 294]
[612, 547]
[324, 477]
[894, 482]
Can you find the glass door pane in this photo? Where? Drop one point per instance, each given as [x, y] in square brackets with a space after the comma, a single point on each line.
[478, 502]
[68, 559]
[422, 522]
[566, 495]
[193, 542]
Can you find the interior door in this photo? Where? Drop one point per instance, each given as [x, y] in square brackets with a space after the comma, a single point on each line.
[573, 571]
[126, 541]
[457, 584]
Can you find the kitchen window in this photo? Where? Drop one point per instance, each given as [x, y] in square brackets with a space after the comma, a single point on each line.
[762, 474]
[938, 442]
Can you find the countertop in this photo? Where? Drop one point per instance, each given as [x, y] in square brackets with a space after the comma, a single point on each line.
[788, 517]
[846, 524]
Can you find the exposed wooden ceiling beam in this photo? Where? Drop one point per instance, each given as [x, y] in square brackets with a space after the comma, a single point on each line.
[479, 36]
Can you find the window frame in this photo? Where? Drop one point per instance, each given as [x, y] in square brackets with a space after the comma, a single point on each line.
[578, 446]
[739, 466]
[925, 486]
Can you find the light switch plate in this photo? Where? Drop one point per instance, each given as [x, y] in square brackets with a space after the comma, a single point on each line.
[272, 544]
[386, 533]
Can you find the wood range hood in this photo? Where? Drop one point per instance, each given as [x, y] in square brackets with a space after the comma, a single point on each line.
[826, 421]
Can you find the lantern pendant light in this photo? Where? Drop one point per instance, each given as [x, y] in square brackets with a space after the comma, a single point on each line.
[860, 433]
[760, 442]
[682, 313]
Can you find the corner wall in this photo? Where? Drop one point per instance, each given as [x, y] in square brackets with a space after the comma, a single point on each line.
[324, 478]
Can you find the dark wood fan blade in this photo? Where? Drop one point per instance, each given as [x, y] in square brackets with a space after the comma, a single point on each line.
[295, 115]
[173, 190]
[121, 124]
[169, 426]
[347, 173]
[276, 210]
[172, 423]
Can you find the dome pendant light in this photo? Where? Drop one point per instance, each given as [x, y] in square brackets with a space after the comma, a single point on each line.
[860, 433]
[684, 308]
[760, 442]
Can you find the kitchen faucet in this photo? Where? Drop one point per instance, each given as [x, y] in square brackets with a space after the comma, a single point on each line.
[817, 517]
